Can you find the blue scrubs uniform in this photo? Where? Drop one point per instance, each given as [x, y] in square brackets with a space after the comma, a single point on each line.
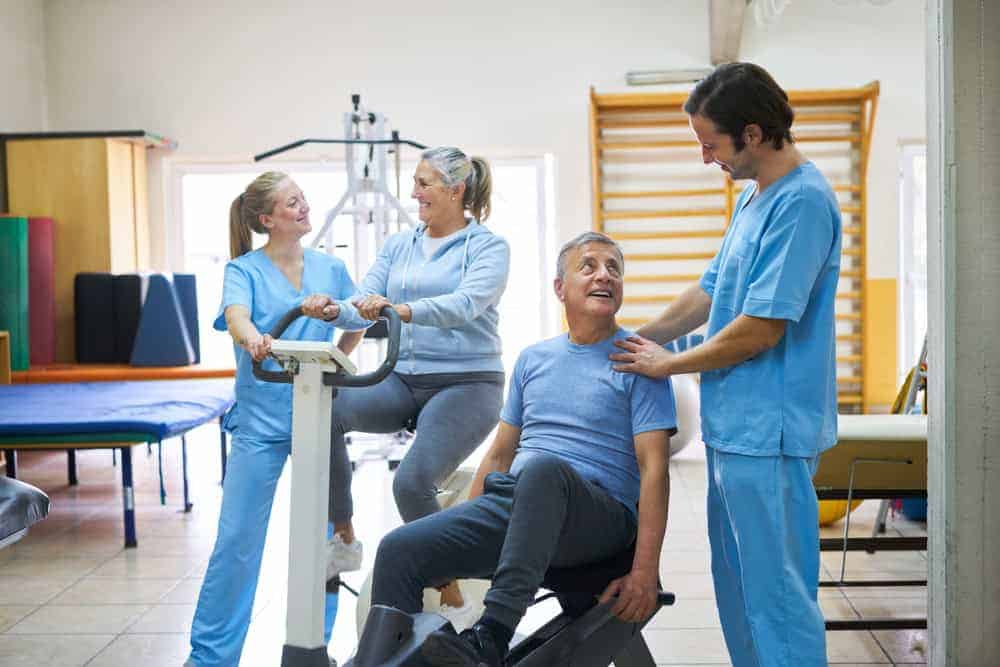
[767, 419]
[261, 425]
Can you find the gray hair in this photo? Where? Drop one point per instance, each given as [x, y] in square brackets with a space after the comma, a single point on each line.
[456, 167]
[582, 240]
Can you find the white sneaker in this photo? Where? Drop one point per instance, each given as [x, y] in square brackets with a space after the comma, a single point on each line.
[462, 617]
[342, 557]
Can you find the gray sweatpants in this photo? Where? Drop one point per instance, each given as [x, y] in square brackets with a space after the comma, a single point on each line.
[454, 411]
[520, 526]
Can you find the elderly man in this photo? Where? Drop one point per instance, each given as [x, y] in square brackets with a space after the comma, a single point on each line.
[577, 473]
[768, 368]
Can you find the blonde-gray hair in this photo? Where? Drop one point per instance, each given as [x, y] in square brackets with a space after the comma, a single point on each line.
[456, 167]
[245, 211]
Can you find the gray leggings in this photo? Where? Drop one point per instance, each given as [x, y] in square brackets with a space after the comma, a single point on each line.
[454, 412]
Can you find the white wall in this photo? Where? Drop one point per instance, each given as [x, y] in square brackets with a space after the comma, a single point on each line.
[22, 66]
[225, 79]
[231, 78]
[846, 44]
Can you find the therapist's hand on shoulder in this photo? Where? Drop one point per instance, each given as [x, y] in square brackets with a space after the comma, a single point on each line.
[321, 307]
[636, 593]
[259, 347]
[642, 356]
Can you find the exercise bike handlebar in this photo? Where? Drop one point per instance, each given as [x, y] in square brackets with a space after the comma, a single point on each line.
[338, 379]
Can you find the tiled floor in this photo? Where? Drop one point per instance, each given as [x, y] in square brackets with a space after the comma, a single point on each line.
[71, 595]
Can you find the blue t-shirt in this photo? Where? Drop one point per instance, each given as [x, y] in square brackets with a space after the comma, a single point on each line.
[780, 259]
[263, 410]
[568, 402]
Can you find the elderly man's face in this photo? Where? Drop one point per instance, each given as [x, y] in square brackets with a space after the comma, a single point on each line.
[592, 284]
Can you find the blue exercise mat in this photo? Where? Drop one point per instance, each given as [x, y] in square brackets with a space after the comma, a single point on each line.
[161, 408]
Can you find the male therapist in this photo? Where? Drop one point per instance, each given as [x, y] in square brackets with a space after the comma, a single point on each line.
[768, 367]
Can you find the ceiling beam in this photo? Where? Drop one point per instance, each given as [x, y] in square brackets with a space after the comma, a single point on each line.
[726, 29]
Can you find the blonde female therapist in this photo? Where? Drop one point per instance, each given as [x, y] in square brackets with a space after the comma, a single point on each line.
[259, 287]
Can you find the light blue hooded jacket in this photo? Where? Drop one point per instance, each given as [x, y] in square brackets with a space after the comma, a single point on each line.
[453, 294]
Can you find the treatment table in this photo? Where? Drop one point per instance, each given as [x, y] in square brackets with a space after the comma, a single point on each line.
[110, 415]
[876, 457]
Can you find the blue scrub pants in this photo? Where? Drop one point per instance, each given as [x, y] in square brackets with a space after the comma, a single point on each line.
[764, 533]
[225, 603]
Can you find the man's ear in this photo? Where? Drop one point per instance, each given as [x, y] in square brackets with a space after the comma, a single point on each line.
[753, 134]
[557, 284]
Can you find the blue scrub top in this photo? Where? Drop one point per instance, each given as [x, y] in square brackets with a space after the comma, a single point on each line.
[263, 410]
[780, 259]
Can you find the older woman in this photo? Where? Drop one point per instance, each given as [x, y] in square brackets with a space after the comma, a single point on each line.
[445, 279]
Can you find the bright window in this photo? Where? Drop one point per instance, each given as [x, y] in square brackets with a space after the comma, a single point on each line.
[912, 255]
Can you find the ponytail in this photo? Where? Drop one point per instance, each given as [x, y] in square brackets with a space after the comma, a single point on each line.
[245, 211]
[478, 189]
[240, 238]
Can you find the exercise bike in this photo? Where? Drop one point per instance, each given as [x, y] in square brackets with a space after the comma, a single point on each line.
[585, 634]
[315, 369]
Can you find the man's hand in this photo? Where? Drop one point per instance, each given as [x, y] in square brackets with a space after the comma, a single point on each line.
[320, 307]
[259, 347]
[371, 306]
[642, 356]
[636, 593]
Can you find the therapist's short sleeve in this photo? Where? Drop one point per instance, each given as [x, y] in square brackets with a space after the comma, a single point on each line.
[237, 290]
[513, 408]
[708, 278]
[794, 249]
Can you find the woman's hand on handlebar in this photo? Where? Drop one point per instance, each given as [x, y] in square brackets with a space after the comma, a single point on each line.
[259, 347]
[320, 307]
[370, 306]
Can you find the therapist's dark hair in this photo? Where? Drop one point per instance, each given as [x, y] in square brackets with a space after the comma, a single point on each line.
[245, 211]
[735, 95]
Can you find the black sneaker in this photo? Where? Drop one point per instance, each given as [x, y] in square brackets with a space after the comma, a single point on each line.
[475, 647]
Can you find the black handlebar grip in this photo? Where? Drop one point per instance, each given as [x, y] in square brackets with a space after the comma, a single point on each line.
[338, 379]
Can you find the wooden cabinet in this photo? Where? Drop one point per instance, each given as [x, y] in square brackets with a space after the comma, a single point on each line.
[94, 186]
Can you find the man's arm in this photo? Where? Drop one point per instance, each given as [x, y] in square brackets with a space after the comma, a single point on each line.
[741, 339]
[685, 314]
[638, 589]
[498, 458]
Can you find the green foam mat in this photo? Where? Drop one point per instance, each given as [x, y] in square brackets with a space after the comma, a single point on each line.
[14, 288]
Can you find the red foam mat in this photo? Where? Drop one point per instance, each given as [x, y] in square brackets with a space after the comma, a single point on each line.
[41, 290]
